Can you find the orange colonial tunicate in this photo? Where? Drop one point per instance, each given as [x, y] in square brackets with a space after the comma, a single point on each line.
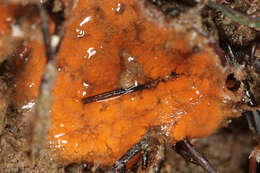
[109, 45]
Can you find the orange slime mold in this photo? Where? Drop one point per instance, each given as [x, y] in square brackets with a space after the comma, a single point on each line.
[110, 45]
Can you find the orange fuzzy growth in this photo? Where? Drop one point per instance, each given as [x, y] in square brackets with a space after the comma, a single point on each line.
[107, 45]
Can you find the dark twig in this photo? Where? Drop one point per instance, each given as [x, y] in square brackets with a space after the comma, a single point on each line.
[121, 163]
[118, 92]
[256, 120]
[194, 155]
[249, 95]
[145, 158]
[223, 43]
[158, 159]
[178, 147]
[252, 53]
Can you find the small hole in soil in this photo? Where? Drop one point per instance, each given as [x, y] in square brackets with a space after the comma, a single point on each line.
[232, 83]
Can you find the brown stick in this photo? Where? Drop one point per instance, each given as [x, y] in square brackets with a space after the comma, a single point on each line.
[193, 155]
[41, 118]
[252, 165]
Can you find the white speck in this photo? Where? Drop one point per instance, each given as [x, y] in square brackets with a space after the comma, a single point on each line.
[85, 84]
[81, 33]
[8, 19]
[59, 135]
[132, 99]
[31, 85]
[91, 51]
[59, 69]
[86, 20]
[130, 59]
[136, 83]
[64, 142]
[28, 106]
[16, 31]
[197, 92]
[42, 1]
[33, 26]
[62, 125]
[118, 8]
[84, 93]
[55, 39]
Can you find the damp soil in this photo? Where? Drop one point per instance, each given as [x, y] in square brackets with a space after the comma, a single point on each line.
[228, 149]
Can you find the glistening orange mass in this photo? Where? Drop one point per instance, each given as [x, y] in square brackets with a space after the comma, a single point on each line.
[110, 44]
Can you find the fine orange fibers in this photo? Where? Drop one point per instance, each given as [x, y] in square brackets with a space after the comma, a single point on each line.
[109, 44]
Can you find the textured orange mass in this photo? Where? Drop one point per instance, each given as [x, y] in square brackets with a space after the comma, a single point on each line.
[109, 45]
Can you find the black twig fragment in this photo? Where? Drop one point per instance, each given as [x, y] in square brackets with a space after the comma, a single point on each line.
[158, 159]
[145, 158]
[256, 120]
[193, 156]
[252, 53]
[117, 92]
[252, 103]
[223, 43]
[178, 147]
[249, 95]
[121, 163]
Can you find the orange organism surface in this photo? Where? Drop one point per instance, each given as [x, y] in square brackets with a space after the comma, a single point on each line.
[109, 44]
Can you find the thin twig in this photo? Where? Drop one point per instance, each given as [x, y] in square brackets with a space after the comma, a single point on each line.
[41, 119]
[256, 120]
[145, 158]
[118, 92]
[158, 159]
[121, 163]
[236, 16]
[195, 156]
[249, 95]
[223, 42]
[252, 53]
